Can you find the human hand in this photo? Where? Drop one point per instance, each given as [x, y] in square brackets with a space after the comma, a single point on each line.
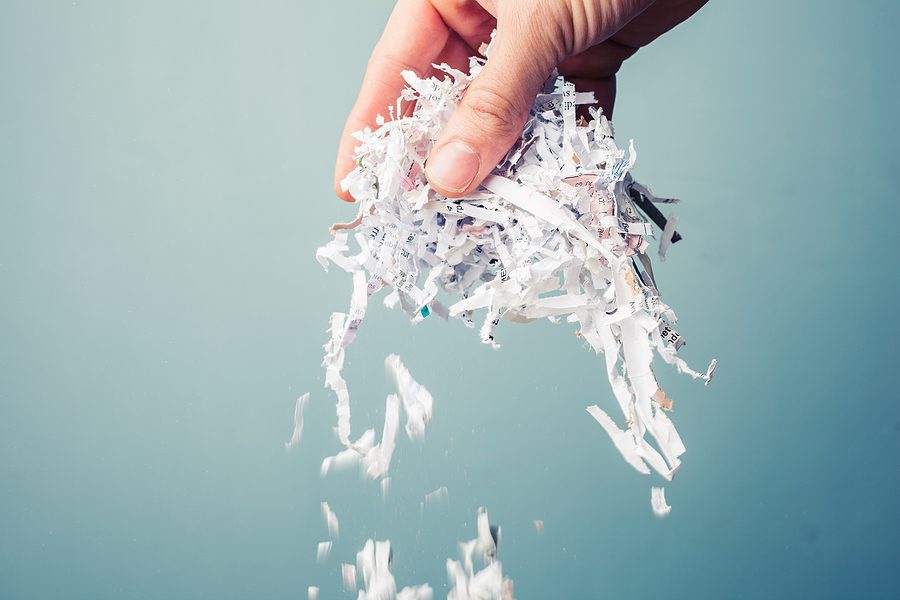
[588, 40]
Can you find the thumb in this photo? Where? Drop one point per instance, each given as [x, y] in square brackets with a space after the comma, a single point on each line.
[491, 114]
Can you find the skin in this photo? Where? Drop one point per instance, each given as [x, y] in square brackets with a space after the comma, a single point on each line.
[588, 40]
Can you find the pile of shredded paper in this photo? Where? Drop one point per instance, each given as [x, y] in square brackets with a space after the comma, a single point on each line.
[557, 231]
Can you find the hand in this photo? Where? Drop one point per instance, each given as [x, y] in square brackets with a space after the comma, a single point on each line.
[588, 40]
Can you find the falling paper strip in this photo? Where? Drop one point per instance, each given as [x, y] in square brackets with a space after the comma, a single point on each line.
[312, 593]
[377, 459]
[374, 563]
[658, 502]
[348, 576]
[374, 459]
[298, 421]
[437, 497]
[469, 583]
[331, 520]
[349, 456]
[322, 551]
[417, 401]
[623, 440]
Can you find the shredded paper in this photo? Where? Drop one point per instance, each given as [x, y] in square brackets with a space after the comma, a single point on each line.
[477, 575]
[554, 232]
[559, 230]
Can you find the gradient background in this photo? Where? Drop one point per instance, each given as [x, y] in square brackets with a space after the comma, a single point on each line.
[165, 177]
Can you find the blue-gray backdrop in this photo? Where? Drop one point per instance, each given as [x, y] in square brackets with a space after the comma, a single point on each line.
[165, 177]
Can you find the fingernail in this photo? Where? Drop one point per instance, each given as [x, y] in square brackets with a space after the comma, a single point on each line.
[453, 166]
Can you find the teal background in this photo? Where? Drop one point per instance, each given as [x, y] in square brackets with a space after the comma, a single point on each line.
[165, 178]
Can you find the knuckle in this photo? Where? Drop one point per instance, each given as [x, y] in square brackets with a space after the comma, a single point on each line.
[494, 111]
